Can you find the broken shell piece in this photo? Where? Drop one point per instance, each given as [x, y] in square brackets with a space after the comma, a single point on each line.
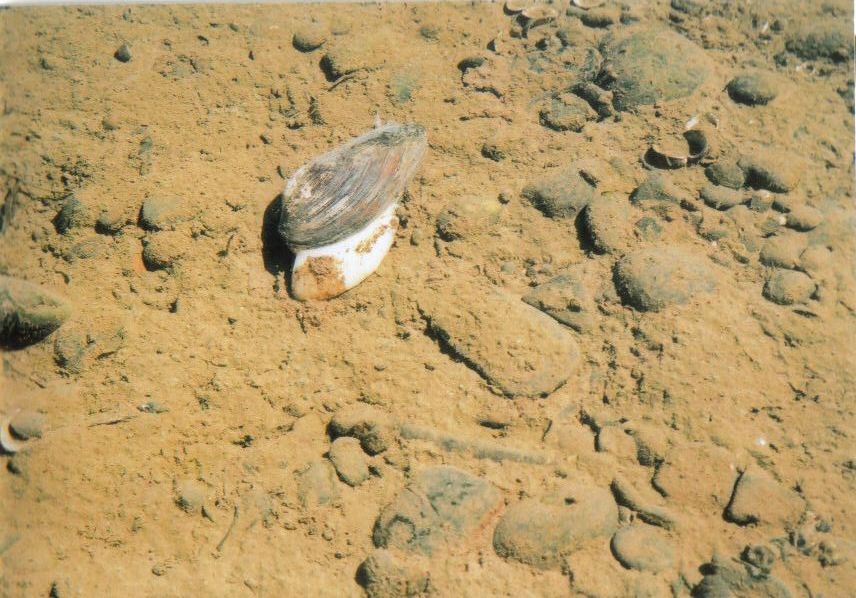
[678, 155]
[8, 442]
[587, 4]
[338, 211]
[516, 6]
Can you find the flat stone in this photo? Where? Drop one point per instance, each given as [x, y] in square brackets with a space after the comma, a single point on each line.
[72, 214]
[616, 440]
[368, 424]
[440, 509]
[699, 475]
[783, 250]
[724, 580]
[725, 172]
[722, 198]
[645, 502]
[560, 195]
[804, 218]
[568, 112]
[566, 299]
[644, 65]
[163, 250]
[27, 424]
[163, 212]
[28, 312]
[468, 217]
[608, 222]
[758, 498]
[519, 350]
[822, 40]
[755, 88]
[309, 38]
[656, 188]
[644, 548]
[787, 287]
[653, 278]
[348, 458]
[542, 532]
[316, 485]
[771, 169]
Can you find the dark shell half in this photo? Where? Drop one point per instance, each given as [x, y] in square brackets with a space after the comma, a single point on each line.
[340, 192]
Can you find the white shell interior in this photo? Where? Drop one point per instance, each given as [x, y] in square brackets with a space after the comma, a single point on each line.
[356, 265]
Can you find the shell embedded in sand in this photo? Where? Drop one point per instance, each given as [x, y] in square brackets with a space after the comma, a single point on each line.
[338, 211]
[661, 156]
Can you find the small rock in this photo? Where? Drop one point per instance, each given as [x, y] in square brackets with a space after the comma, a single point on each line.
[815, 259]
[804, 218]
[383, 575]
[316, 485]
[644, 548]
[721, 198]
[726, 173]
[343, 59]
[70, 348]
[122, 53]
[783, 250]
[28, 312]
[615, 440]
[700, 475]
[754, 88]
[309, 38]
[787, 287]
[163, 212]
[367, 424]
[653, 278]
[770, 169]
[761, 201]
[721, 580]
[492, 151]
[348, 458]
[599, 18]
[758, 498]
[543, 532]
[439, 509]
[190, 495]
[110, 221]
[829, 40]
[658, 189]
[561, 195]
[608, 221]
[468, 217]
[566, 299]
[88, 248]
[27, 424]
[73, 214]
[568, 112]
[163, 250]
[518, 349]
[645, 502]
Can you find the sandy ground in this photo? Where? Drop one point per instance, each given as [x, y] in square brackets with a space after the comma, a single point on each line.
[682, 424]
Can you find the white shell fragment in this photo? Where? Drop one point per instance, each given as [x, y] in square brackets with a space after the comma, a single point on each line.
[9, 444]
[338, 211]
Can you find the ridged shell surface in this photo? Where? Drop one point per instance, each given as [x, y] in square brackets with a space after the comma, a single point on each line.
[340, 192]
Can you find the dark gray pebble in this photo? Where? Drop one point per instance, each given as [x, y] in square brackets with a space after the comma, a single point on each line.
[122, 53]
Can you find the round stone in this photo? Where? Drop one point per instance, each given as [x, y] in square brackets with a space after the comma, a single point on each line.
[804, 218]
[787, 287]
[644, 548]
[653, 278]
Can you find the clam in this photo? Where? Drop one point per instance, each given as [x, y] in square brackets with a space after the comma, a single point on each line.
[678, 155]
[338, 211]
[10, 442]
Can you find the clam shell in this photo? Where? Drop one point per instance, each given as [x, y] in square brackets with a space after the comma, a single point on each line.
[339, 193]
[696, 148]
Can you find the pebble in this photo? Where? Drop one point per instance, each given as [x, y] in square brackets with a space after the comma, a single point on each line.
[163, 250]
[598, 18]
[658, 189]
[72, 214]
[190, 495]
[755, 88]
[645, 503]
[644, 548]
[316, 484]
[726, 172]
[616, 440]
[342, 59]
[815, 259]
[468, 217]
[760, 201]
[519, 350]
[651, 443]
[122, 53]
[566, 299]
[542, 532]
[653, 278]
[645, 65]
[787, 287]
[70, 349]
[783, 250]
[560, 195]
[804, 218]
[771, 170]
[721, 580]
[608, 223]
[28, 312]
[27, 424]
[697, 475]
[110, 221]
[163, 212]
[384, 575]
[827, 40]
[758, 498]
[568, 112]
[85, 249]
[350, 462]
[309, 38]
[440, 508]
[368, 424]
[722, 198]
